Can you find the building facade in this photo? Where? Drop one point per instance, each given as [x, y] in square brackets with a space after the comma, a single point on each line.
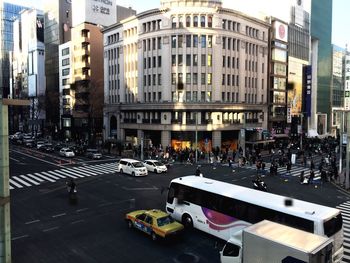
[321, 33]
[27, 64]
[8, 14]
[186, 73]
[57, 27]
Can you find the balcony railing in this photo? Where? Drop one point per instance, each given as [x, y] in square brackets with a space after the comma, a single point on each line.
[145, 120]
[156, 121]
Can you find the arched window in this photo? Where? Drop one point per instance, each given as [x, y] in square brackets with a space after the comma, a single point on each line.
[210, 21]
[195, 21]
[181, 22]
[202, 21]
[173, 22]
[188, 21]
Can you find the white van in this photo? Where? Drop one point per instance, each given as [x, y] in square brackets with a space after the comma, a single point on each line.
[133, 167]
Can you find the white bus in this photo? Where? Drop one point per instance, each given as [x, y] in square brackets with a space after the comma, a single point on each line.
[222, 209]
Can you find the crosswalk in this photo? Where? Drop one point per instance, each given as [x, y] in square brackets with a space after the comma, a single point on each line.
[345, 210]
[33, 179]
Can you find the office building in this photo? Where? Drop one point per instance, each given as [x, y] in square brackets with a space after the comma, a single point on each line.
[187, 72]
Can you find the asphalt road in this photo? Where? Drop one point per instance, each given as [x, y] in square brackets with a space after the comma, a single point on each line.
[47, 228]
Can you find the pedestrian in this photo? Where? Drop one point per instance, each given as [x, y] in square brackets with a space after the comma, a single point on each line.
[312, 165]
[302, 177]
[312, 176]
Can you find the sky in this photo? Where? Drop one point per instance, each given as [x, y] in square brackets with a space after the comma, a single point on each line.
[340, 25]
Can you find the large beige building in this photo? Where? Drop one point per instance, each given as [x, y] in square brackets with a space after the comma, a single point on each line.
[186, 70]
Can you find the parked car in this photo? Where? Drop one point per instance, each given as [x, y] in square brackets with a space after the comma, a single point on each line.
[29, 143]
[155, 166]
[117, 170]
[66, 152]
[155, 223]
[93, 154]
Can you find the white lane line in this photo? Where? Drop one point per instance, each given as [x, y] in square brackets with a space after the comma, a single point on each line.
[21, 181]
[58, 215]
[76, 222]
[81, 169]
[11, 188]
[32, 222]
[71, 173]
[11, 158]
[45, 177]
[57, 172]
[15, 238]
[15, 184]
[50, 229]
[35, 177]
[40, 159]
[29, 180]
[81, 210]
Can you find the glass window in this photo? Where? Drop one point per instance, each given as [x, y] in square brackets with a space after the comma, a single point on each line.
[179, 60]
[203, 78]
[188, 40]
[210, 21]
[202, 95]
[173, 78]
[173, 22]
[181, 22]
[210, 60]
[173, 41]
[159, 79]
[195, 21]
[209, 100]
[202, 21]
[188, 21]
[195, 96]
[195, 60]
[210, 41]
[173, 60]
[224, 42]
[180, 41]
[65, 62]
[65, 51]
[203, 60]
[203, 41]
[188, 95]
[195, 78]
[188, 60]
[209, 78]
[188, 78]
[159, 43]
[65, 72]
[159, 61]
[279, 83]
[195, 41]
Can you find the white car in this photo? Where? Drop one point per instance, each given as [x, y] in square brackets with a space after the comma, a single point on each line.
[66, 152]
[39, 144]
[155, 166]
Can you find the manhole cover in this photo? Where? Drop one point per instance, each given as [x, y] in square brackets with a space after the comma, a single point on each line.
[186, 258]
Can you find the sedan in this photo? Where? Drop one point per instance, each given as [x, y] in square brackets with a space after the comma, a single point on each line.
[66, 152]
[93, 154]
[155, 166]
[155, 223]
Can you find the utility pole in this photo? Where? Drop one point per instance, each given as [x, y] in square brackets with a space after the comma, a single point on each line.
[347, 150]
[196, 149]
[341, 143]
[5, 224]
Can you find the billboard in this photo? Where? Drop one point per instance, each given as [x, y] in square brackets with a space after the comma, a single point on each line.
[40, 28]
[280, 31]
[307, 85]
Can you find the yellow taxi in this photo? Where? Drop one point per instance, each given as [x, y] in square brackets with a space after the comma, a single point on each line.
[155, 223]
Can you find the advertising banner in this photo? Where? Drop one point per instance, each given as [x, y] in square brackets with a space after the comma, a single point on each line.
[307, 85]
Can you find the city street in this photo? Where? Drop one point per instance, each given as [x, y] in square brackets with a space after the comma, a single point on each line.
[47, 228]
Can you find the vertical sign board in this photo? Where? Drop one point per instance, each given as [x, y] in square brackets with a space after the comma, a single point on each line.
[289, 115]
[307, 85]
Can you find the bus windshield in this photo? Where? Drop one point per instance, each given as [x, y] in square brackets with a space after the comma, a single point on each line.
[333, 226]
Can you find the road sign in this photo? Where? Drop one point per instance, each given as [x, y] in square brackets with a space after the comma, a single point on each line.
[345, 139]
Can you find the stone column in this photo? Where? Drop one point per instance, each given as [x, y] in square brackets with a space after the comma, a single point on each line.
[166, 138]
[5, 230]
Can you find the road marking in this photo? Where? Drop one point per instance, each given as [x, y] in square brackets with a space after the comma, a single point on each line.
[11, 158]
[30, 180]
[35, 178]
[74, 172]
[21, 181]
[40, 159]
[32, 222]
[81, 169]
[76, 222]
[105, 204]
[100, 169]
[55, 175]
[66, 172]
[15, 238]
[50, 229]
[57, 172]
[46, 178]
[58, 215]
[81, 210]
[15, 184]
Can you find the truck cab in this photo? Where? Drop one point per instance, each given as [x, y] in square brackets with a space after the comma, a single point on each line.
[232, 251]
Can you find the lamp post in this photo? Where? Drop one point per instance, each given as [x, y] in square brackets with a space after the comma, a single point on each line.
[196, 149]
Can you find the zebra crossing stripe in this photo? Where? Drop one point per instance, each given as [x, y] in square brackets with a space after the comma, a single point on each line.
[74, 173]
[84, 170]
[77, 170]
[21, 181]
[11, 187]
[29, 180]
[63, 175]
[15, 184]
[99, 170]
[35, 178]
[47, 177]
[65, 171]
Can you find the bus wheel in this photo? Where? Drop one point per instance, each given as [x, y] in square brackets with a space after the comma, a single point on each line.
[187, 221]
